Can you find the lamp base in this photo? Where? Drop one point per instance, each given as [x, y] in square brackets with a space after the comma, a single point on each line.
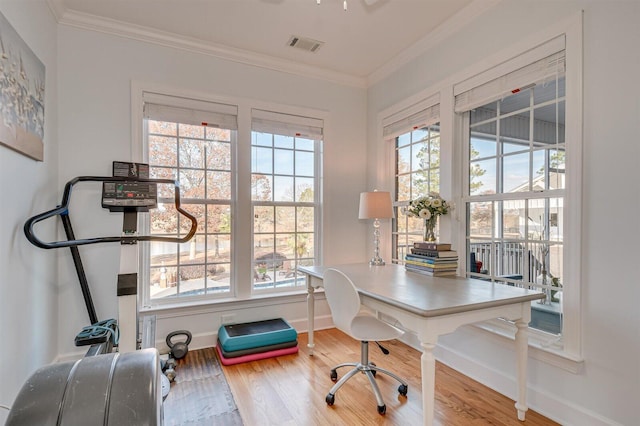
[376, 261]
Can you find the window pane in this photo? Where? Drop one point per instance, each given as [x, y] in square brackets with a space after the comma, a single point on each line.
[164, 220]
[218, 278]
[218, 155]
[163, 254]
[162, 127]
[285, 219]
[218, 185]
[305, 219]
[222, 135]
[481, 219]
[403, 188]
[261, 160]
[282, 188]
[191, 153]
[261, 187]
[514, 219]
[282, 162]
[191, 280]
[482, 177]
[483, 113]
[482, 148]
[304, 163]
[545, 130]
[280, 141]
[420, 159]
[191, 131]
[263, 219]
[162, 150]
[163, 281]
[164, 190]
[263, 139]
[219, 249]
[192, 183]
[305, 144]
[218, 218]
[515, 176]
[515, 102]
[515, 129]
[304, 190]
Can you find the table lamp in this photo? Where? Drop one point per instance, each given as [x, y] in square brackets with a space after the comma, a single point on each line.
[376, 205]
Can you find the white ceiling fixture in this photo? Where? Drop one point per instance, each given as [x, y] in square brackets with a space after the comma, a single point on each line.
[304, 43]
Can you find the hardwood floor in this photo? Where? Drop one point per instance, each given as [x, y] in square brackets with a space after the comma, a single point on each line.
[291, 390]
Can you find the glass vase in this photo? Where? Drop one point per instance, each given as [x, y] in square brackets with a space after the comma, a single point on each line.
[430, 228]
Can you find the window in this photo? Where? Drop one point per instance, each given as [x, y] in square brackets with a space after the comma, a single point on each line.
[285, 197]
[515, 184]
[192, 142]
[272, 221]
[416, 140]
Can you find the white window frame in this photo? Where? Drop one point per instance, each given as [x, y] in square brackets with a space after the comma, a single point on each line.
[424, 113]
[569, 346]
[295, 126]
[567, 353]
[242, 287]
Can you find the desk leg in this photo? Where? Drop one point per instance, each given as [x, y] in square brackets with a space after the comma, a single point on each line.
[310, 313]
[428, 370]
[521, 354]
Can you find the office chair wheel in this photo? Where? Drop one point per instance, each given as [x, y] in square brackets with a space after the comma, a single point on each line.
[331, 398]
[334, 375]
[402, 390]
[382, 409]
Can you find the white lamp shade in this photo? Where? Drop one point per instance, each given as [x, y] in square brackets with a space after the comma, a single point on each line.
[375, 205]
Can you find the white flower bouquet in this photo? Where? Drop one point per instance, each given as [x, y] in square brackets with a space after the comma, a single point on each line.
[428, 207]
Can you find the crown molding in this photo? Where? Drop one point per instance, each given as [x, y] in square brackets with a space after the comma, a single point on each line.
[444, 30]
[145, 34]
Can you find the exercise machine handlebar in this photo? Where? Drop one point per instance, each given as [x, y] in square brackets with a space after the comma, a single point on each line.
[63, 210]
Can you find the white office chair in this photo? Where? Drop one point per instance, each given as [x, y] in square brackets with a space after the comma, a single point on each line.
[349, 318]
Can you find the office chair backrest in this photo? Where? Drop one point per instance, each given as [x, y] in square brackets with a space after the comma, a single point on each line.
[343, 298]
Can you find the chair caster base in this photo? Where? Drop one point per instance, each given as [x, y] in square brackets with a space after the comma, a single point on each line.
[382, 409]
[403, 389]
[334, 375]
[330, 399]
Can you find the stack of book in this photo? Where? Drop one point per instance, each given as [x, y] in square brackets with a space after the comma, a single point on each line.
[434, 259]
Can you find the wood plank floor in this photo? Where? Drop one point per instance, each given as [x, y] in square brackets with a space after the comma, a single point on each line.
[291, 390]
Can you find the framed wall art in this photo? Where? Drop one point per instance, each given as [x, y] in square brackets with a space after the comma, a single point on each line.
[22, 78]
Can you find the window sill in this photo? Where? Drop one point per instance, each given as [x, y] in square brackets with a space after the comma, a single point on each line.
[543, 347]
[226, 304]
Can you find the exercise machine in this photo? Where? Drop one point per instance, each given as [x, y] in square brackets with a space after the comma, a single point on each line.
[104, 387]
[129, 191]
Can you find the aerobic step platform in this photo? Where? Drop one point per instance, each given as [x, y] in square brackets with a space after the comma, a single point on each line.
[255, 356]
[251, 351]
[237, 337]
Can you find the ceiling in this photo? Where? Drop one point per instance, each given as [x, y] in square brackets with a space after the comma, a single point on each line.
[361, 44]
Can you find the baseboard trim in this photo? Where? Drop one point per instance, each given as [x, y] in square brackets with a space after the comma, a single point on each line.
[549, 405]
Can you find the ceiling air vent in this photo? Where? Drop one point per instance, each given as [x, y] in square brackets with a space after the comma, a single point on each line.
[308, 44]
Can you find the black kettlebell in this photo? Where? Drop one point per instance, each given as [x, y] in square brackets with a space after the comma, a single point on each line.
[179, 349]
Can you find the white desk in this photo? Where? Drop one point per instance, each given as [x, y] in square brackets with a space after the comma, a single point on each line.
[431, 307]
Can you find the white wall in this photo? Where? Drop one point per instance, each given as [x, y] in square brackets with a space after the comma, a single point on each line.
[28, 290]
[606, 391]
[96, 71]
